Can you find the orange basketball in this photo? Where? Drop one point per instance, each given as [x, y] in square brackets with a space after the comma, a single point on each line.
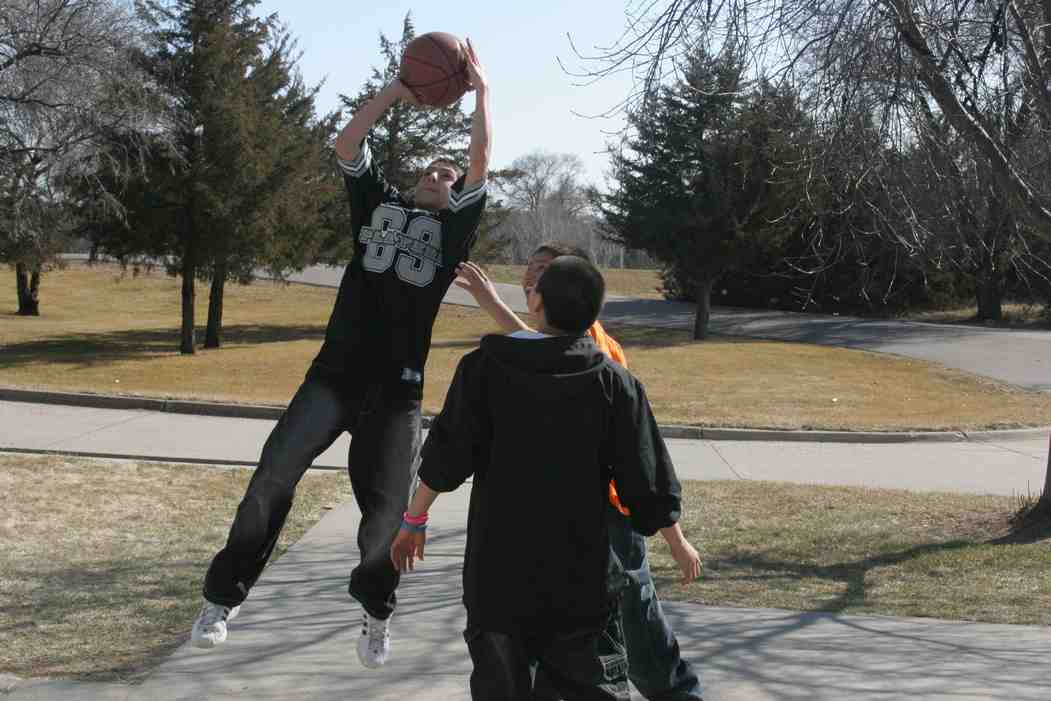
[434, 68]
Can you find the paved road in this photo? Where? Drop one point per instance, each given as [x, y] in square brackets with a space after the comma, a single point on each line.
[1021, 358]
[1007, 467]
[294, 640]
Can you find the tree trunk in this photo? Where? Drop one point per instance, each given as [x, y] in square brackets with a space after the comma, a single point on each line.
[989, 285]
[704, 309]
[28, 290]
[213, 334]
[187, 345]
[990, 296]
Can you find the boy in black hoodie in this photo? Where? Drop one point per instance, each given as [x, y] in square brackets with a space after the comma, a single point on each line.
[537, 570]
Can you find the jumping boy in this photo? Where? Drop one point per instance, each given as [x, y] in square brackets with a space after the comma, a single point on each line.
[655, 665]
[539, 584]
[368, 377]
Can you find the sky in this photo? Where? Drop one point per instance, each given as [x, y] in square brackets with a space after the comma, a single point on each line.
[532, 99]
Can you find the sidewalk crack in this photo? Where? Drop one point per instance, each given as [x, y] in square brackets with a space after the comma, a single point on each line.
[727, 462]
[70, 439]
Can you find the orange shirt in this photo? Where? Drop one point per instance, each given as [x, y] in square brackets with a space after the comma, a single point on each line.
[608, 345]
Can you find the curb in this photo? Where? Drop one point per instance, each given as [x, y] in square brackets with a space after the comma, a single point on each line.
[179, 460]
[273, 412]
[8, 683]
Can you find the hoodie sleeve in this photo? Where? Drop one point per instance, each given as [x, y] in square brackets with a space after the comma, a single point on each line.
[458, 441]
[642, 468]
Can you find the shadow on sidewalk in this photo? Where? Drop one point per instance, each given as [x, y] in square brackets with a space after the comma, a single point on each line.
[853, 576]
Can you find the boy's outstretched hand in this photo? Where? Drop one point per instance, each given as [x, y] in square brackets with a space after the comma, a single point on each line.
[476, 79]
[473, 279]
[407, 546]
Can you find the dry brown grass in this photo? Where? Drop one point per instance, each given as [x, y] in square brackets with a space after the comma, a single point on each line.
[101, 562]
[857, 550]
[105, 333]
[741, 382]
[619, 281]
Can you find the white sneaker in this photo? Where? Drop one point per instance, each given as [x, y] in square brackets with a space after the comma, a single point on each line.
[374, 642]
[209, 629]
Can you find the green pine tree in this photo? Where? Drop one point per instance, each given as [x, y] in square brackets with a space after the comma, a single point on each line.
[695, 178]
[249, 177]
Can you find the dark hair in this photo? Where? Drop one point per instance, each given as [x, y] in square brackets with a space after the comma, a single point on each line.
[558, 248]
[447, 161]
[573, 290]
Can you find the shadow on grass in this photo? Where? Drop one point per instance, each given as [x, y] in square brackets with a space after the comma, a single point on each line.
[101, 348]
[852, 574]
[129, 616]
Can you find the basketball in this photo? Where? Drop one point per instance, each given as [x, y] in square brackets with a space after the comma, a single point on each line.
[434, 68]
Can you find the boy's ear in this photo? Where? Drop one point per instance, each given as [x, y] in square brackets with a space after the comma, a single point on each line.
[538, 303]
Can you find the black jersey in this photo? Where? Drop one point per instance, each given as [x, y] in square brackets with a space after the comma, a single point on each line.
[405, 260]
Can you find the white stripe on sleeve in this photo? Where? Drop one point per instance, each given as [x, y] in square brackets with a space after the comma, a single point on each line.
[458, 201]
[357, 166]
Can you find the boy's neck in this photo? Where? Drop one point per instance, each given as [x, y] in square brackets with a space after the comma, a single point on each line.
[543, 327]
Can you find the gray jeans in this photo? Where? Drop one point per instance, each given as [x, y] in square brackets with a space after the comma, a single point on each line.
[382, 463]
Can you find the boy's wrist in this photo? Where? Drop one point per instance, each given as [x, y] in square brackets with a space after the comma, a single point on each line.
[416, 523]
[674, 537]
[393, 91]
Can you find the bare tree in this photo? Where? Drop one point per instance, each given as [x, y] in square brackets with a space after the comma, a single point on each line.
[549, 201]
[68, 84]
[876, 52]
[544, 177]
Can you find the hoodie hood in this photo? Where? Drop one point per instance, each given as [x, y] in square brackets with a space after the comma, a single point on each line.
[559, 366]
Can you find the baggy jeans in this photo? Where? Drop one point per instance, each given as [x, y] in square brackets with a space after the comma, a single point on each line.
[584, 665]
[655, 665]
[382, 465]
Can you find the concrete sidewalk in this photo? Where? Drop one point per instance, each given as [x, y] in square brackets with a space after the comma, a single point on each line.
[295, 640]
[983, 467]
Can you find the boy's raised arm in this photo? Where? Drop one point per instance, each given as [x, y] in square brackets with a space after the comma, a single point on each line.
[477, 283]
[481, 126]
[348, 143]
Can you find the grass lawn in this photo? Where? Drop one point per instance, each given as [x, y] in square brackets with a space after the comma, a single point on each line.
[619, 281]
[852, 550]
[103, 585]
[103, 332]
